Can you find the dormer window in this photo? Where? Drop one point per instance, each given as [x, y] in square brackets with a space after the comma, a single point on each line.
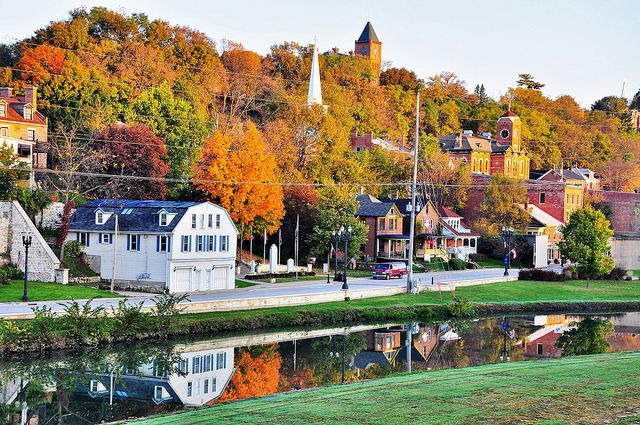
[28, 113]
[99, 217]
[163, 219]
[3, 110]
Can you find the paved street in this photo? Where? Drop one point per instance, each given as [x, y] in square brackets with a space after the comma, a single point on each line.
[358, 286]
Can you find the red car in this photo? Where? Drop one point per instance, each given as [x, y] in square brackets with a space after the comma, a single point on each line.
[389, 270]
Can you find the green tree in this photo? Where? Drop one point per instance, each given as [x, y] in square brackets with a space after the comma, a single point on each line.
[585, 242]
[502, 205]
[481, 93]
[336, 207]
[9, 174]
[635, 101]
[526, 80]
[589, 337]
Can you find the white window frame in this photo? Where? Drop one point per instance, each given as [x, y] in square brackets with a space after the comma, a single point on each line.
[210, 221]
[164, 239]
[217, 221]
[189, 389]
[28, 113]
[4, 131]
[163, 219]
[184, 243]
[221, 358]
[224, 244]
[99, 217]
[104, 238]
[82, 238]
[3, 110]
[199, 243]
[31, 134]
[193, 221]
[205, 390]
[133, 240]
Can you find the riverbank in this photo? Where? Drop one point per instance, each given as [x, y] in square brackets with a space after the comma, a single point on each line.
[491, 299]
[587, 389]
[45, 291]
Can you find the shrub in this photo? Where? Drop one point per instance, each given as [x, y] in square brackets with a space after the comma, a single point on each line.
[461, 307]
[4, 279]
[72, 249]
[41, 325]
[130, 320]
[12, 335]
[85, 323]
[11, 271]
[167, 304]
[457, 264]
[542, 275]
[618, 273]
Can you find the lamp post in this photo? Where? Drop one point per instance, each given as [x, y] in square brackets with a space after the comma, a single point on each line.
[505, 356]
[26, 241]
[336, 240]
[346, 237]
[505, 234]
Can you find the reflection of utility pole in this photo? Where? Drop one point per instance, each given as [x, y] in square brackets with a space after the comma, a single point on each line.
[112, 382]
[344, 354]
[408, 345]
[295, 353]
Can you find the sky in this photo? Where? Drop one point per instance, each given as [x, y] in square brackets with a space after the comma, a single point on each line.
[583, 48]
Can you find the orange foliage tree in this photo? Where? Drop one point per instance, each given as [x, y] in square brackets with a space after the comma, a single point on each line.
[40, 62]
[237, 172]
[256, 374]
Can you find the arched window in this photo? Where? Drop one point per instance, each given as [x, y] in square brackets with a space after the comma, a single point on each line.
[522, 167]
[474, 167]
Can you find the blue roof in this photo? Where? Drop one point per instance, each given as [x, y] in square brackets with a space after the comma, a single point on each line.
[133, 216]
[132, 203]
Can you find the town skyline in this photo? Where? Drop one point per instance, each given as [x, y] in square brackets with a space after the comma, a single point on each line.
[586, 71]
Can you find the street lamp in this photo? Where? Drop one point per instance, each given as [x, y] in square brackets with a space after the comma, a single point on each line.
[336, 239]
[346, 237]
[26, 241]
[505, 355]
[506, 233]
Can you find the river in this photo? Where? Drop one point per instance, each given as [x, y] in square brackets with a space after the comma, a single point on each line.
[139, 380]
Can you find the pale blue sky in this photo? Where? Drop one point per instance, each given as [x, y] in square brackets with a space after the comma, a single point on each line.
[584, 48]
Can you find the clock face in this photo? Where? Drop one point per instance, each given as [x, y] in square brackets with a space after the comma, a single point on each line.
[363, 51]
[504, 134]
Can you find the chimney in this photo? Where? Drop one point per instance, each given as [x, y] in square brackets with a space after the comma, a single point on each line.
[6, 92]
[30, 96]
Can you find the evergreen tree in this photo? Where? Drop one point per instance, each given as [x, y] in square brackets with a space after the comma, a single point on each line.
[526, 80]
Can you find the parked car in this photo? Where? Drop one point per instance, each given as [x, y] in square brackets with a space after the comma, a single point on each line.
[389, 270]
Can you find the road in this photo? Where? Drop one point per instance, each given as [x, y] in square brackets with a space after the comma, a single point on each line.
[362, 287]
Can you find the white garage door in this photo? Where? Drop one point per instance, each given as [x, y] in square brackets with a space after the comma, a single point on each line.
[182, 280]
[220, 277]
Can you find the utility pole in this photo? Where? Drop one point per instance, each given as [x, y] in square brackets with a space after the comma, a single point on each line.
[296, 242]
[115, 251]
[279, 244]
[414, 184]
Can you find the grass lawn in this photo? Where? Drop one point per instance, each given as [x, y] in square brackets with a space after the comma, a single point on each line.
[43, 291]
[244, 284]
[589, 389]
[635, 272]
[491, 262]
[503, 292]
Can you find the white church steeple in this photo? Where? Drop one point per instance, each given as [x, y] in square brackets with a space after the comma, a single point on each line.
[315, 92]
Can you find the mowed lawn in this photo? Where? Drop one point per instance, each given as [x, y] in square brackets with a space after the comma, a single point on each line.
[503, 292]
[587, 390]
[42, 291]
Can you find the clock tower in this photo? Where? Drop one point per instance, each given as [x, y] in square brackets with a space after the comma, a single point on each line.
[509, 131]
[370, 46]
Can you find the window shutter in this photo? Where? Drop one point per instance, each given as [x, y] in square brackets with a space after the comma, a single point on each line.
[157, 243]
[88, 239]
[137, 242]
[168, 243]
[220, 247]
[189, 244]
[110, 238]
[78, 237]
[128, 242]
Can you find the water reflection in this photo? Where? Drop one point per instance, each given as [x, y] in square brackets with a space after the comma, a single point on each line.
[140, 380]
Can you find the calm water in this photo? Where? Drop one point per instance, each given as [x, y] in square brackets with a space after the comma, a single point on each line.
[104, 385]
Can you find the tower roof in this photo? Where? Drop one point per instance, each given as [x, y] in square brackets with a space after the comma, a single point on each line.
[368, 34]
[509, 114]
[314, 95]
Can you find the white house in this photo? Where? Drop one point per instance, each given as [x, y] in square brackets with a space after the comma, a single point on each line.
[456, 237]
[181, 246]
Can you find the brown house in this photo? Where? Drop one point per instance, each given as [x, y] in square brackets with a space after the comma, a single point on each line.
[385, 239]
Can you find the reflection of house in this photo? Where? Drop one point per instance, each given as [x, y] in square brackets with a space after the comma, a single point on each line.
[384, 239]
[204, 375]
[542, 342]
[181, 246]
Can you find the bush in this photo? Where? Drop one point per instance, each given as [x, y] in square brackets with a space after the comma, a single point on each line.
[461, 308]
[542, 275]
[85, 323]
[130, 320]
[618, 273]
[72, 249]
[167, 304]
[4, 279]
[478, 257]
[265, 276]
[11, 272]
[457, 264]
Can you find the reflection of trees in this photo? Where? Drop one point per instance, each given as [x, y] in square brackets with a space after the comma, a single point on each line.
[589, 337]
[257, 373]
[327, 368]
[449, 355]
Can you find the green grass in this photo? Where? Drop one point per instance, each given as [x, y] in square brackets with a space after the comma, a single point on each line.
[491, 262]
[43, 291]
[588, 389]
[635, 273]
[244, 284]
[503, 292]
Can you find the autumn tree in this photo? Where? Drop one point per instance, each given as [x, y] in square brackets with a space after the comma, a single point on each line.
[527, 81]
[401, 77]
[236, 171]
[502, 206]
[257, 373]
[585, 242]
[132, 151]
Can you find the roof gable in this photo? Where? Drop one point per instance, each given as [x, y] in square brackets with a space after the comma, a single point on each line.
[368, 34]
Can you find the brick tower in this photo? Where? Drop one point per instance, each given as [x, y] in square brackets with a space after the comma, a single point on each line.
[370, 46]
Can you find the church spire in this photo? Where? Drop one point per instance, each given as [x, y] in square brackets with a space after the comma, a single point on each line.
[315, 92]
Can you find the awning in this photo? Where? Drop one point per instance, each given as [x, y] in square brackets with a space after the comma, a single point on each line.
[405, 237]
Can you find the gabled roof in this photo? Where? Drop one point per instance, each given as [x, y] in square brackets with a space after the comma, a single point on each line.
[15, 107]
[368, 34]
[542, 217]
[133, 216]
[446, 212]
[509, 114]
[369, 206]
[455, 232]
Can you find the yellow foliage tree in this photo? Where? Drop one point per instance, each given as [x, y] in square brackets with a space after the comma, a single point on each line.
[237, 172]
